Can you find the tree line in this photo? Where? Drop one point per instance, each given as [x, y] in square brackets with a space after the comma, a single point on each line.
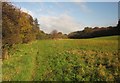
[89, 32]
[17, 27]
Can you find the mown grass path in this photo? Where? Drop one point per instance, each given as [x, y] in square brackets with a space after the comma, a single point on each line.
[64, 60]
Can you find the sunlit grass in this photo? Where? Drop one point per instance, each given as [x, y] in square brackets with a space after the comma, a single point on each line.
[78, 60]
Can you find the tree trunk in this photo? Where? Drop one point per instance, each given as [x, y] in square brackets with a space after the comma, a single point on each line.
[5, 54]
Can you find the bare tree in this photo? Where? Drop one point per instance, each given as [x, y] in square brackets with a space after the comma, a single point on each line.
[54, 34]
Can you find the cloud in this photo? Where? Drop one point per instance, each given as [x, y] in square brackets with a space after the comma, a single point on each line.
[84, 8]
[27, 11]
[63, 23]
[82, 4]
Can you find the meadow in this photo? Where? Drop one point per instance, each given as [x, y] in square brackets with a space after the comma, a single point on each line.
[94, 59]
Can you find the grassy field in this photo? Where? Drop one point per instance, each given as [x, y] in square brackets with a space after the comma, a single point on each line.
[64, 60]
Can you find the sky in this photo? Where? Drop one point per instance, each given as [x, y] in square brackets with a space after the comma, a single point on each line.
[67, 17]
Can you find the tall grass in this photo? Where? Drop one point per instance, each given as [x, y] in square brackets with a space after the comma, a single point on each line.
[64, 60]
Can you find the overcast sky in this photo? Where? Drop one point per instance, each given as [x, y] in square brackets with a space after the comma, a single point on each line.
[71, 16]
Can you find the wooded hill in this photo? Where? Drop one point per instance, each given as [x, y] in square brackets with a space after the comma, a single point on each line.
[96, 32]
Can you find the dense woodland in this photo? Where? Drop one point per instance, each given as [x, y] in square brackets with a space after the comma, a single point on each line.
[17, 27]
[20, 27]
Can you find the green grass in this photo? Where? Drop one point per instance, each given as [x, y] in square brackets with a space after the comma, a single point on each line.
[64, 60]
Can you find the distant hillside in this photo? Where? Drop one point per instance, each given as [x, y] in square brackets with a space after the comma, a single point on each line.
[95, 32]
